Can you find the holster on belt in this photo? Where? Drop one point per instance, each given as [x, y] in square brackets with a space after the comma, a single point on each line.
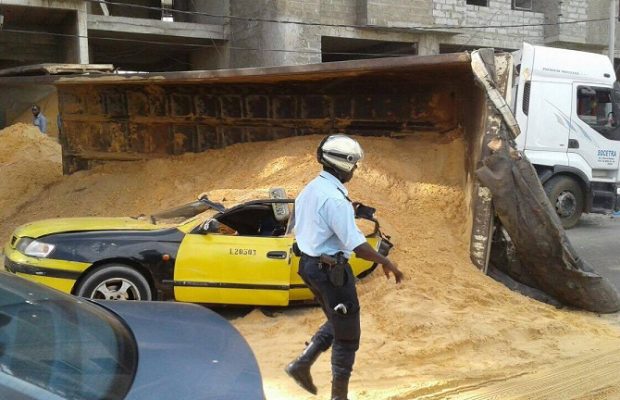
[335, 267]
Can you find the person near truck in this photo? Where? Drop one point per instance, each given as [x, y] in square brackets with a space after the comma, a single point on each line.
[38, 119]
[325, 230]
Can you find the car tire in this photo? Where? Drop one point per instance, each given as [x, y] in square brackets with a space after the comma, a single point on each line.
[567, 198]
[114, 282]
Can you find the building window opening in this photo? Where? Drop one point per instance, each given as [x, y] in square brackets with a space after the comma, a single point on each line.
[341, 49]
[483, 3]
[525, 5]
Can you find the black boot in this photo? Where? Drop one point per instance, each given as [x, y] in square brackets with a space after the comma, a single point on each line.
[340, 388]
[299, 369]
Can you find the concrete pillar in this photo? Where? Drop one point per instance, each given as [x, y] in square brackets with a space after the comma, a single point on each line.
[82, 32]
[428, 45]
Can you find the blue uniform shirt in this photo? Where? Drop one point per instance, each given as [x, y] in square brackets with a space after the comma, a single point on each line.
[324, 218]
[40, 122]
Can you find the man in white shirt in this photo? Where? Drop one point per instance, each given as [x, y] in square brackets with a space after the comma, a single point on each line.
[325, 225]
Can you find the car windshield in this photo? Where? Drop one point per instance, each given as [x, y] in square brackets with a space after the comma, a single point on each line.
[187, 211]
[57, 344]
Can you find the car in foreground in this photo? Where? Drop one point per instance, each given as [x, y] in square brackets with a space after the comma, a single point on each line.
[240, 255]
[55, 346]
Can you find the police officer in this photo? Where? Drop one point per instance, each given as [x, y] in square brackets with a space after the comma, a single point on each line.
[325, 225]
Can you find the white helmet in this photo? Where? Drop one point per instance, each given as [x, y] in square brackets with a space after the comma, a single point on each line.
[340, 152]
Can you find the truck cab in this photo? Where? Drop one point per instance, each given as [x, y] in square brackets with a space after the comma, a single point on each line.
[567, 105]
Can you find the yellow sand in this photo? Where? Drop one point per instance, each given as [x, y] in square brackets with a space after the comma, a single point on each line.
[446, 326]
[29, 161]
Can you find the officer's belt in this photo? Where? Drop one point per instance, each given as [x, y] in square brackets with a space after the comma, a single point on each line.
[323, 264]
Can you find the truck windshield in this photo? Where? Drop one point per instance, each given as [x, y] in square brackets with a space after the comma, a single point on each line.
[597, 106]
[60, 345]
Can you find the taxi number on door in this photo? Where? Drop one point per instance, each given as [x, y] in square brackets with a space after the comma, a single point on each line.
[242, 252]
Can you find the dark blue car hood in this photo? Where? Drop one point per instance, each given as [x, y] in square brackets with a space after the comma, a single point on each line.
[187, 352]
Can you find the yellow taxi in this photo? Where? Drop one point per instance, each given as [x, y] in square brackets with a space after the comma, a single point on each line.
[240, 255]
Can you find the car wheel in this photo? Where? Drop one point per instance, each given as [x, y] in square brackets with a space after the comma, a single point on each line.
[567, 198]
[114, 282]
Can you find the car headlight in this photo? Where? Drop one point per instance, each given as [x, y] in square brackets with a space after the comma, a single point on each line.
[34, 248]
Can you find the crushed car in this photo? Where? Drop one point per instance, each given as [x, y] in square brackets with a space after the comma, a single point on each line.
[242, 255]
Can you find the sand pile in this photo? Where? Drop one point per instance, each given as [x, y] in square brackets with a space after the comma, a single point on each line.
[446, 326]
[29, 162]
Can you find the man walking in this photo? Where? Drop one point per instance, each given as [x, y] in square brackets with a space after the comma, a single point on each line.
[325, 230]
[39, 119]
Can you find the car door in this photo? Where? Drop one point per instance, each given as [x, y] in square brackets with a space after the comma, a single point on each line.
[232, 269]
[299, 290]
[594, 145]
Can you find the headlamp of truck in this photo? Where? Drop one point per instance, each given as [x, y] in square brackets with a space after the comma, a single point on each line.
[34, 248]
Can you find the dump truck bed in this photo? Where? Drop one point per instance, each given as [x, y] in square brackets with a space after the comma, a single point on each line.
[130, 117]
[143, 116]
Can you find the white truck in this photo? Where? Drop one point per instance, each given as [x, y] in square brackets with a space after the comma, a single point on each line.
[566, 104]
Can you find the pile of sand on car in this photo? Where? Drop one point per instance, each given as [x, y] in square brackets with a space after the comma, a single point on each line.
[29, 162]
[445, 325]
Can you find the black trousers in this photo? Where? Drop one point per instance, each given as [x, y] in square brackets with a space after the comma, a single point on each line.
[342, 331]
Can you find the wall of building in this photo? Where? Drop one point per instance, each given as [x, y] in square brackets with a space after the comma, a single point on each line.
[573, 10]
[256, 35]
[456, 13]
[396, 13]
[263, 43]
[597, 32]
[443, 23]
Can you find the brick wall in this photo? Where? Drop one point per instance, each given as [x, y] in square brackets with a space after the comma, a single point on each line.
[396, 13]
[456, 13]
[448, 19]
[598, 31]
[573, 10]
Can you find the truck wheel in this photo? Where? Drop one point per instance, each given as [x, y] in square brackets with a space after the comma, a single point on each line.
[567, 198]
[114, 282]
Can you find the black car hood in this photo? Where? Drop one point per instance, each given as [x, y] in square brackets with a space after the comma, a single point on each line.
[187, 352]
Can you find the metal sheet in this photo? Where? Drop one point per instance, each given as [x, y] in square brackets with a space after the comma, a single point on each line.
[56, 69]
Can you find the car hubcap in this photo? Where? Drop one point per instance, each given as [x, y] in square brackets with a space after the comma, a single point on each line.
[116, 289]
[566, 204]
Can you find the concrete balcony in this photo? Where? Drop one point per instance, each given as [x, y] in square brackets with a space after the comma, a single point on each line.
[140, 44]
[156, 29]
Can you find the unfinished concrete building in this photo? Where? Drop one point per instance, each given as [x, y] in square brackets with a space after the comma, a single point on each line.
[165, 35]
[175, 35]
